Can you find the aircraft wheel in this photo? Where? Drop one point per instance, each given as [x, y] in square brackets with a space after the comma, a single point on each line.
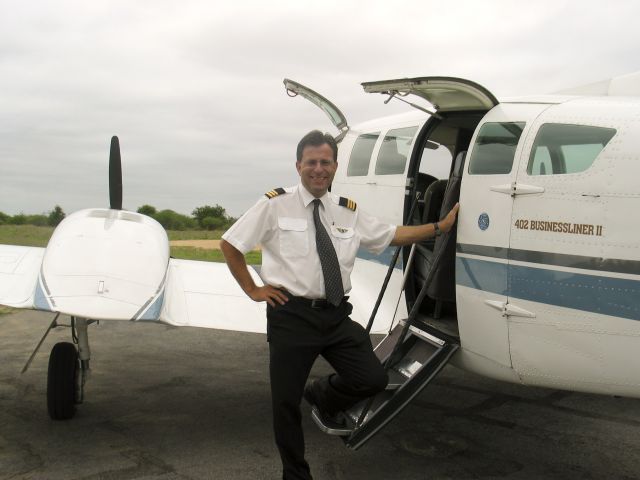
[61, 381]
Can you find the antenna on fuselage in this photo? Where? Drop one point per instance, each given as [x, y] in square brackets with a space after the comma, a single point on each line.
[115, 175]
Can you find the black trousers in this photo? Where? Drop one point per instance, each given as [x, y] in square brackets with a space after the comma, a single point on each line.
[297, 334]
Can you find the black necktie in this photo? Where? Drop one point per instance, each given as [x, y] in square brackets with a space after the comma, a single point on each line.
[328, 259]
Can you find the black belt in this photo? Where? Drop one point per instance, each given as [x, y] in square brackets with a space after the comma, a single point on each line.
[316, 303]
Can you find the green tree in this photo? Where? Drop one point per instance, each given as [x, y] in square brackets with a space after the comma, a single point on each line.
[37, 220]
[200, 213]
[19, 219]
[55, 216]
[213, 223]
[171, 220]
[149, 210]
[4, 218]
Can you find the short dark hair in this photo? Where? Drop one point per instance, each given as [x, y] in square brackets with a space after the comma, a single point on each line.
[315, 138]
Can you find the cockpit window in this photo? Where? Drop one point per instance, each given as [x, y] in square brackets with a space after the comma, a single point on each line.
[361, 154]
[394, 151]
[561, 148]
[495, 148]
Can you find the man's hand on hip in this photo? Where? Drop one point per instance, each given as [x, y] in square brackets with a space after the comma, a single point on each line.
[268, 294]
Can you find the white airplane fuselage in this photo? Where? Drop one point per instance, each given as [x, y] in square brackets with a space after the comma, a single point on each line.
[547, 268]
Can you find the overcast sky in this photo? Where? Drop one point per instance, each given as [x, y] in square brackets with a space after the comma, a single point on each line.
[194, 88]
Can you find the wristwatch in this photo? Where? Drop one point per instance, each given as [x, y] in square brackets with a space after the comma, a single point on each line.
[436, 228]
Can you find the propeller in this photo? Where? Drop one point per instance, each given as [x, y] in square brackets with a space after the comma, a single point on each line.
[115, 175]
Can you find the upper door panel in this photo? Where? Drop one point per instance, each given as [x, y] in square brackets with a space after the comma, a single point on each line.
[446, 94]
[334, 114]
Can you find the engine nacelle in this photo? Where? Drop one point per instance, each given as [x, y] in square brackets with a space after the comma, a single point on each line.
[105, 264]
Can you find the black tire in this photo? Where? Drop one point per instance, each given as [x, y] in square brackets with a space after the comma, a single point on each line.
[61, 381]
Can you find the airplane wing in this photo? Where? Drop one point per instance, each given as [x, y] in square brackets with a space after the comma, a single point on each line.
[195, 294]
[19, 268]
[205, 294]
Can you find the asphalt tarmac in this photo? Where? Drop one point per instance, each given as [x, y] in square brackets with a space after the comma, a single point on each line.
[187, 403]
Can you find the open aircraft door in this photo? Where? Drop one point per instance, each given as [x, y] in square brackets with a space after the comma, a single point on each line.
[445, 94]
[414, 352]
[419, 359]
[334, 114]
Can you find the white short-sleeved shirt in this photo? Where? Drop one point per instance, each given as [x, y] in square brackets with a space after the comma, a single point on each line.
[284, 226]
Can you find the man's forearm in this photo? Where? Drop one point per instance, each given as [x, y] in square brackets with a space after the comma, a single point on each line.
[238, 266]
[408, 234]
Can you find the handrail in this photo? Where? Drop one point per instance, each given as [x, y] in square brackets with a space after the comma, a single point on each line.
[392, 265]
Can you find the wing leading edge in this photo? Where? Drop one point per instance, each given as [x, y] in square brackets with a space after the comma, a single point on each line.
[19, 269]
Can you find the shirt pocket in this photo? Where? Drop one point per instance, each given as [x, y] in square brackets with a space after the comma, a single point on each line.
[294, 238]
[347, 243]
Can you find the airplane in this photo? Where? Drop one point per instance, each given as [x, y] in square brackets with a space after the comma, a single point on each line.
[537, 285]
[113, 264]
[539, 282]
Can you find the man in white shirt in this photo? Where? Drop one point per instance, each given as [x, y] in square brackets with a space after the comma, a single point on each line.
[309, 240]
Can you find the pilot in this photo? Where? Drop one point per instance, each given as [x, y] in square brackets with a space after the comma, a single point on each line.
[309, 240]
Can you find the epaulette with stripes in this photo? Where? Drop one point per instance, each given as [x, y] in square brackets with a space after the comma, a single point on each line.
[345, 202]
[274, 193]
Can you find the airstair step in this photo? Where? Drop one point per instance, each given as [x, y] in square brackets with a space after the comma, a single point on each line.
[329, 426]
[396, 380]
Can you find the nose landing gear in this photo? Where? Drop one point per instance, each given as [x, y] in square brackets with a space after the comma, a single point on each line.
[68, 369]
[61, 381]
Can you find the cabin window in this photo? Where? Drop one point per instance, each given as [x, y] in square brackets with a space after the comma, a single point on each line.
[495, 148]
[561, 149]
[361, 154]
[395, 148]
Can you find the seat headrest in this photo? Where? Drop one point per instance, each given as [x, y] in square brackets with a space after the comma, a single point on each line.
[458, 165]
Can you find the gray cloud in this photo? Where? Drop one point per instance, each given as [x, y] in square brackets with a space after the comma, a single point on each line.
[194, 89]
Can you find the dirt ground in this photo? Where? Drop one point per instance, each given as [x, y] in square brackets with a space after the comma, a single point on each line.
[206, 244]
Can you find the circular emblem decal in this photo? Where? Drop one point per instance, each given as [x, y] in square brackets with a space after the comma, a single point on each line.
[483, 221]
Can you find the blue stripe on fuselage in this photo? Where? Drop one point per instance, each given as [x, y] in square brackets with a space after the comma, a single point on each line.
[618, 297]
[384, 258]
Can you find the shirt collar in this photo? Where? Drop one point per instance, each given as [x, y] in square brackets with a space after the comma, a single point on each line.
[307, 197]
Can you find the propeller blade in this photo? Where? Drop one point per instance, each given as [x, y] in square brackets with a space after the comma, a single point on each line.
[115, 175]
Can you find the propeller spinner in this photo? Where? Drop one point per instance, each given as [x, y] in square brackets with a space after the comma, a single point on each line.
[115, 175]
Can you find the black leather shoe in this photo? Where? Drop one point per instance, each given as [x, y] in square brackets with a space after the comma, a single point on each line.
[313, 395]
[332, 425]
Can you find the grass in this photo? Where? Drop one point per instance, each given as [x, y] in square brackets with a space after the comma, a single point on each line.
[32, 236]
[193, 253]
[27, 235]
[4, 310]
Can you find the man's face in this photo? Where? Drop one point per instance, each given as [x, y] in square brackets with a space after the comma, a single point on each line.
[317, 168]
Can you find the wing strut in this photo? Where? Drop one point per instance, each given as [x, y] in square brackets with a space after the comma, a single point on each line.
[52, 325]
